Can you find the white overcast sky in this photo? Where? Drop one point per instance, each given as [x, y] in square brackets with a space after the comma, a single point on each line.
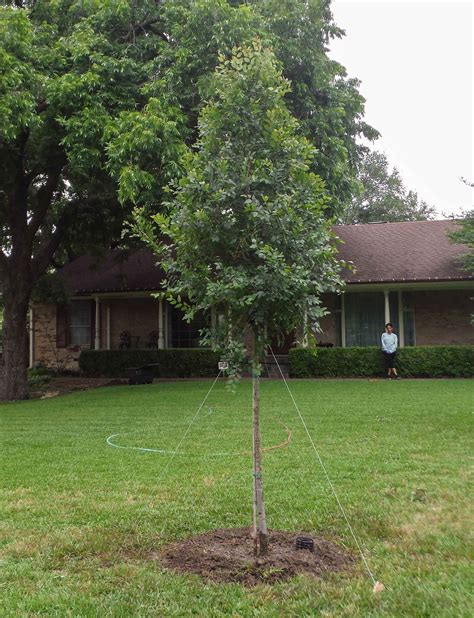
[415, 61]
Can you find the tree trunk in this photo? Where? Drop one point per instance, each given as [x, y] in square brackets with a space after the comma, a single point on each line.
[259, 518]
[14, 362]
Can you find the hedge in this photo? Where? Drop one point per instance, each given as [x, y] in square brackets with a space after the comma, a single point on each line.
[416, 362]
[192, 363]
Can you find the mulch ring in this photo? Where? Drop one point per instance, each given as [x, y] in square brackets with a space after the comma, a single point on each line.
[227, 556]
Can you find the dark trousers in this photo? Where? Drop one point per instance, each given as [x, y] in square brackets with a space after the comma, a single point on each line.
[389, 359]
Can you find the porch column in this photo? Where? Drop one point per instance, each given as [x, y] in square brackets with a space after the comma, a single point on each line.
[107, 326]
[387, 306]
[401, 329]
[343, 320]
[31, 339]
[97, 324]
[161, 337]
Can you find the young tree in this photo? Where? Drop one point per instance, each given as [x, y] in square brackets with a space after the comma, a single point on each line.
[382, 195]
[247, 231]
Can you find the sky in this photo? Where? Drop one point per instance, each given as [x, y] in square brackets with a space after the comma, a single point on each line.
[415, 61]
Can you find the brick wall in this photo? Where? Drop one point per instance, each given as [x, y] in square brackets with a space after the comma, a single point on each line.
[443, 318]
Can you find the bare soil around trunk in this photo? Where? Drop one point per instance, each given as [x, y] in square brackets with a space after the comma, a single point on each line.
[227, 555]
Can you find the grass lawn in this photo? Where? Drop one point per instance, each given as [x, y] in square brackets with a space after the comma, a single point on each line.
[79, 519]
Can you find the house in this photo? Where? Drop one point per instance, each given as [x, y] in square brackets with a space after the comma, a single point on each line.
[406, 273]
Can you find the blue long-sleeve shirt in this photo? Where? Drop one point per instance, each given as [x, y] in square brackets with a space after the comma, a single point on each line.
[389, 342]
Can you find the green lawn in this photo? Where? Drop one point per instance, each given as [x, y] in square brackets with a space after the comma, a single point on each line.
[79, 519]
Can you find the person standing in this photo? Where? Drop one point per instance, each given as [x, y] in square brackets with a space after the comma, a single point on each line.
[389, 349]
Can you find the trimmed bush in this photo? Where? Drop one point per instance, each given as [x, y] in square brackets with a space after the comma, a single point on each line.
[437, 361]
[416, 362]
[192, 363]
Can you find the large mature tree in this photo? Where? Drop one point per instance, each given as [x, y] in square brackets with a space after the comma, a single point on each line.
[97, 98]
[382, 195]
[247, 231]
[74, 78]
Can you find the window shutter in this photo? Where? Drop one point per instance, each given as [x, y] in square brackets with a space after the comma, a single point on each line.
[61, 326]
[92, 324]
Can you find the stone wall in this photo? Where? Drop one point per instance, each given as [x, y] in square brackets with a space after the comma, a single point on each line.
[44, 341]
[139, 316]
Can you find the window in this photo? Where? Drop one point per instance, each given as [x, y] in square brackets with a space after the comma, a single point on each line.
[184, 334]
[365, 318]
[80, 322]
[364, 314]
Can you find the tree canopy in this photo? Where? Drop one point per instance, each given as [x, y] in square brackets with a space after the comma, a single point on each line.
[100, 98]
[74, 75]
[247, 225]
[99, 94]
[325, 101]
[382, 195]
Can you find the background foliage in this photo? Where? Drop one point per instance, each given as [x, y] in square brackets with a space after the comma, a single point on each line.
[465, 236]
[382, 195]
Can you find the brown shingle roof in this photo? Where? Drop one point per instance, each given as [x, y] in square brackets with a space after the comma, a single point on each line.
[408, 251]
[116, 271]
[386, 252]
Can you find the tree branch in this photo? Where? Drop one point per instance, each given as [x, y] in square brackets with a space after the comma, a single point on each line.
[45, 195]
[46, 252]
[143, 27]
[41, 106]
[17, 200]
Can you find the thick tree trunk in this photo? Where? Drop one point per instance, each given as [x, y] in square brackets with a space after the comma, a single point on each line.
[259, 518]
[14, 363]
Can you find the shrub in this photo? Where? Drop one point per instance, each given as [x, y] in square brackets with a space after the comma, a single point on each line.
[39, 375]
[171, 363]
[437, 361]
[419, 362]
